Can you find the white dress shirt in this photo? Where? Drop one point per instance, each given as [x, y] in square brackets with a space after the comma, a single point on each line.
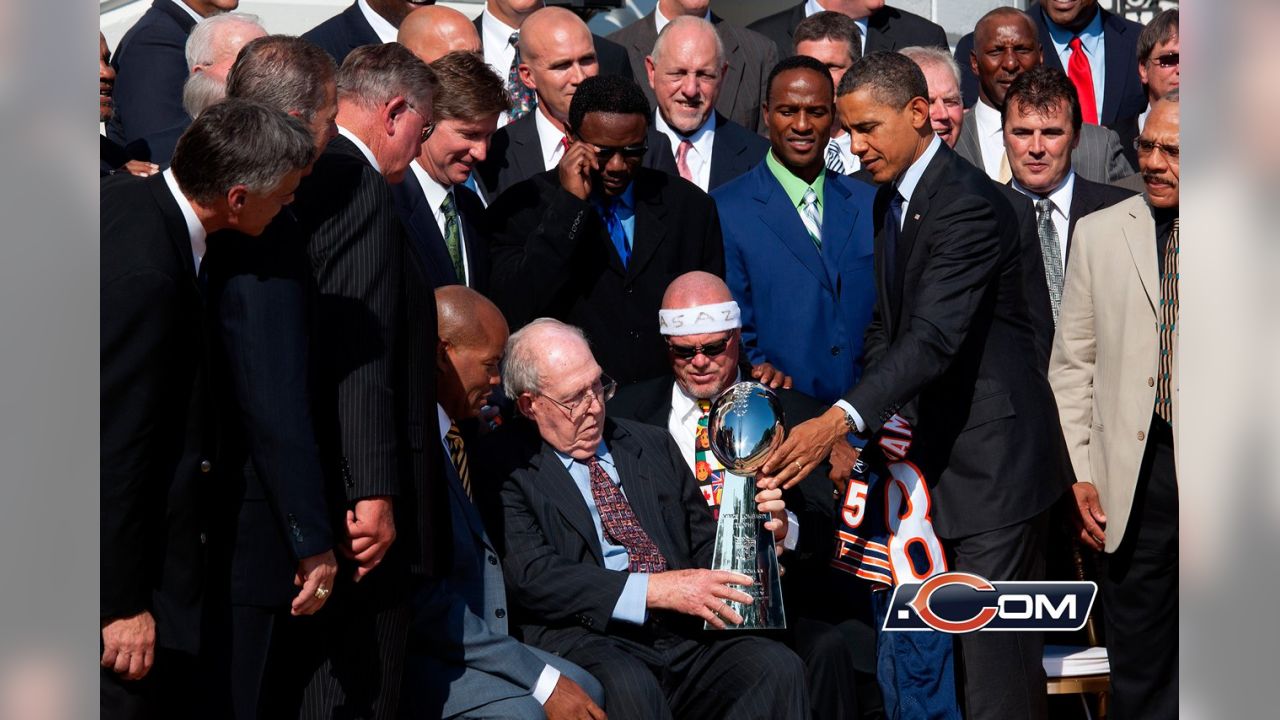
[990, 137]
[546, 683]
[660, 21]
[1060, 200]
[195, 228]
[1095, 50]
[550, 138]
[813, 7]
[495, 40]
[364, 149]
[385, 31]
[435, 194]
[699, 157]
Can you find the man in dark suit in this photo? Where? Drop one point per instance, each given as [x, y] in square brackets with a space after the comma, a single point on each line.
[364, 23]
[1110, 44]
[607, 544]
[882, 27]
[705, 352]
[444, 217]
[746, 57]
[1041, 125]
[151, 67]
[597, 241]
[157, 430]
[951, 344]
[1006, 48]
[462, 663]
[114, 158]
[687, 73]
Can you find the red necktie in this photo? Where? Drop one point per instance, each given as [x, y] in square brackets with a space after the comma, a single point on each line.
[620, 523]
[1082, 77]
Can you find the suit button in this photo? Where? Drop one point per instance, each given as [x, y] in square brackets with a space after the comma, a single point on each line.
[493, 560]
[835, 350]
[204, 538]
[499, 613]
[1141, 436]
[1151, 382]
[206, 466]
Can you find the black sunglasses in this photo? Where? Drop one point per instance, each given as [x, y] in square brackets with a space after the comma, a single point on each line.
[688, 353]
[1167, 60]
[606, 152]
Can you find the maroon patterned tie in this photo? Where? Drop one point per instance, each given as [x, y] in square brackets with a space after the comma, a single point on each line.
[620, 524]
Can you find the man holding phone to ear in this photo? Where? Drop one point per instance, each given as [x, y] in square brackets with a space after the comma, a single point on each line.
[595, 241]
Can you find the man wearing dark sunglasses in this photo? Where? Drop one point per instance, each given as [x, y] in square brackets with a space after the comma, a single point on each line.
[1158, 58]
[596, 241]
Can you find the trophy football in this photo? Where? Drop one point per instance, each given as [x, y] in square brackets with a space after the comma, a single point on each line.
[744, 426]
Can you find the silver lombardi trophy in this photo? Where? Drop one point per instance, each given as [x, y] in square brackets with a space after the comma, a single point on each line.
[744, 426]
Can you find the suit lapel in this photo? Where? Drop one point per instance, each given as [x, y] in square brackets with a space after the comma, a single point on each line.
[967, 145]
[1119, 66]
[1139, 235]
[913, 214]
[877, 33]
[176, 227]
[783, 220]
[426, 240]
[527, 150]
[464, 504]
[1051, 58]
[555, 481]
[638, 487]
[650, 230]
[184, 20]
[839, 215]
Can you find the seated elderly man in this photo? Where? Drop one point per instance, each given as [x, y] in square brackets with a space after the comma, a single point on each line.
[608, 540]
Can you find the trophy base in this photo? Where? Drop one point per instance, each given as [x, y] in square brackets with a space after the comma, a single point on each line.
[744, 545]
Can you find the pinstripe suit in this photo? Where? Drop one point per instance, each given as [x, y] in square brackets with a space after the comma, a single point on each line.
[1099, 156]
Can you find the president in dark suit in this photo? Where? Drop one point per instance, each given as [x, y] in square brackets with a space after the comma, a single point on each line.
[885, 28]
[951, 344]
[596, 242]
[607, 544]
[158, 438]
[799, 242]
[687, 72]
[746, 57]
[365, 22]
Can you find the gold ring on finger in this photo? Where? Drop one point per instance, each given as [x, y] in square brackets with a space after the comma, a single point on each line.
[322, 592]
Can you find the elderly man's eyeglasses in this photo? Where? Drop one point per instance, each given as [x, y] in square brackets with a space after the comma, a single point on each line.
[1146, 147]
[1167, 60]
[685, 352]
[427, 129]
[576, 407]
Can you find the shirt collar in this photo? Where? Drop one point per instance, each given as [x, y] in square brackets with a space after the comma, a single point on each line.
[660, 20]
[385, 31]
[187, 9]
[434, 191]
[364, 149]
[494, 32]
[702, 138]
[445, 422]
[911, 178]
[1059, 196]
[988, 119]
[548, 136]
[602, 452]
[195, 229]
[625, 201]
[684, 406]
[793, 186]
[1090, 36]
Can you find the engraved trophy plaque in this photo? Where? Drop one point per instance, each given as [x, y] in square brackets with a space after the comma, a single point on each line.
[744, 426]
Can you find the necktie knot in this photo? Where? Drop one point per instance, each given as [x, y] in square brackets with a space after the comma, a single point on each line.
[1044, 206]
[811, 216]
[515, 38]
[1076, 44]
[704, 405]
[446, 205]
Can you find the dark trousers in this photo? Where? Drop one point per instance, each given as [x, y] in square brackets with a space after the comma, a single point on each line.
[828, 668]
[719, 675]
[1139, 588]
[167, 691]
[1001, 674]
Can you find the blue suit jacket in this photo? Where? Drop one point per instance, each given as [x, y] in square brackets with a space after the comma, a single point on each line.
[150, 71]
[803, 311]
[342, 33]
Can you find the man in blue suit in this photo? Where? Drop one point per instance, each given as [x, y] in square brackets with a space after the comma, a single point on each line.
[461, 661]
[798, 242]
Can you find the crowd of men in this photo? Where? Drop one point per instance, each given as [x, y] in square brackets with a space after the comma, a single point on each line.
[411, 327]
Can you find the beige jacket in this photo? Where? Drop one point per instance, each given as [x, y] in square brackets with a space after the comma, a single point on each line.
[1106, 352]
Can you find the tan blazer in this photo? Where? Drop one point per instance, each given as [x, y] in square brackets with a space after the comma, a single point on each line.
[1106, 352]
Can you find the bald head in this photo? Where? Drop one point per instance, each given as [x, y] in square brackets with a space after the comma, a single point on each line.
[466, 318]
[999, 17]
[695, 288]
[548, 28]
[541, 351]
[434, 31]
[469, 353]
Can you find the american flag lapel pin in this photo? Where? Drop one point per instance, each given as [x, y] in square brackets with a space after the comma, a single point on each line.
[916, 216]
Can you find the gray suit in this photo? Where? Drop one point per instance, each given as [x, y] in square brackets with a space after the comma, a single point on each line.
[461, 660]
[750, 56]
[1099, 157]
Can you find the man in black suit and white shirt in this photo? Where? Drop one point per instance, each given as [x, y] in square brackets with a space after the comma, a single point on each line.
[597, 241]
[687, 72]
[881, 27]
[747, 56]
[365, 22]
[157, 430]
[443, 217]
[951, 345]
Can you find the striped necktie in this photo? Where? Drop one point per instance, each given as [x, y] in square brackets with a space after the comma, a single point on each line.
[834, 163]
[811, 216]
[1168, 326]
[458, 454]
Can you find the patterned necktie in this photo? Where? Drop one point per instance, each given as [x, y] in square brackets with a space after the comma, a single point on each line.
[617, 233]
[458, 454]
[620, 523]
[710, 479]
[523, 100]
[1168, 325]
[811, 216]
[1050, 253]
[682, 159]
[453, 236]
[1081, 76]
[834, 163]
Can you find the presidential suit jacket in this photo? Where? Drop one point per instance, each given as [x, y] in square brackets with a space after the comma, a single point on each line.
[553, 566]
[1099, 156]
[734, 151]
[1106, 354]
[750, 56]
[376, 329]
[887, 29]
[955, 337]
[342, 33]
[803, 310]
[552, 256]
[1123, 96]
[427, 242]
[610, 56]
[151, 67]
[156, 426]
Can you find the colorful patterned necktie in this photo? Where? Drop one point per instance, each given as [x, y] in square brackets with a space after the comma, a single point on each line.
[834, 163]
[458, 454]
[620, 523]
[710, 479]
[523, 100]
[811, 216]
[1168, 325]
[453, 236]
[1050, 253]
[1081, 76]
[682, 159]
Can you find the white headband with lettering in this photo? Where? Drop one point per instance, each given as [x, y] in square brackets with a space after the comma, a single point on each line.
[700, 319]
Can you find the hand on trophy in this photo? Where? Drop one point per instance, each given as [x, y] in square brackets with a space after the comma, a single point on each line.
[769, 500]
[701, 593]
